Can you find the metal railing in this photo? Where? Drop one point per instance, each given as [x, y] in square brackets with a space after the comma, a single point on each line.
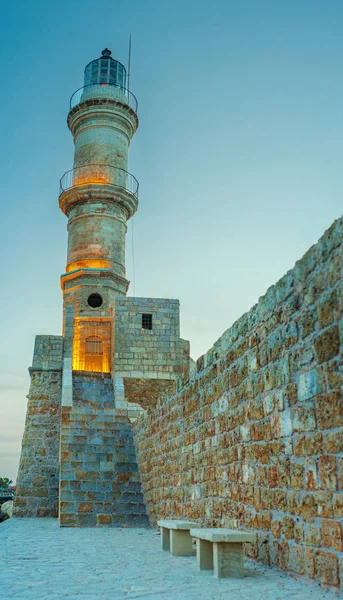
[99, 174]
[104, 91]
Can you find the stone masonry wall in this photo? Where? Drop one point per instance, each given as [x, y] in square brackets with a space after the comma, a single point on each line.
[99, 479]
[37, 482]
[258, 434]
[159, 353]
[146, 392]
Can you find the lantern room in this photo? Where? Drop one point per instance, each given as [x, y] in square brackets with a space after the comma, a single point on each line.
[105, 70]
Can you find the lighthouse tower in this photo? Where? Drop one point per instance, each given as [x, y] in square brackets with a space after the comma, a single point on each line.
[98, 195]
[117, 354]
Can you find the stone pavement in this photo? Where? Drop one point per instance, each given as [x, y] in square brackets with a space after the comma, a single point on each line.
[39, 560]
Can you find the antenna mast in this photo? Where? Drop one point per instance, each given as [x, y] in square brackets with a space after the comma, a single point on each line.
[129, 65]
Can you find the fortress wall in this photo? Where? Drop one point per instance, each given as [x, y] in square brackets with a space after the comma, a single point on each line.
[37, 482]
[258, 434]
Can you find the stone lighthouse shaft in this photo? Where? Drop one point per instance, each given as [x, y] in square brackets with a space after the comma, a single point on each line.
[117, 354]
[98, 196]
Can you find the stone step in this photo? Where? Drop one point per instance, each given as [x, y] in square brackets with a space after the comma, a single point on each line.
[99, 477]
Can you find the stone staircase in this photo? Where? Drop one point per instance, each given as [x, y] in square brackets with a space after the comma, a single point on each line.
[99, 479]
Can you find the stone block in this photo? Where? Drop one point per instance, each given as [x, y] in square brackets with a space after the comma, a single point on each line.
[180, 543]
[204, 550]
[297, 475]
[327, 344]
[332, 535]
[287, 527]
[228, 560]
[323, 501]
[276, 528]
[326, 567]
[68, 520]
[85, 507]
[327, 309]
[338, 505]
[67, 507]
[329, 408]
[310, 384]
[303, 417]
[333, 442]
[328, 473]
[102, 520]
[307, 324]
[312, 535]
[310, 475]
[296, 559]
[281, 424]
[308, 444]
[308, 507]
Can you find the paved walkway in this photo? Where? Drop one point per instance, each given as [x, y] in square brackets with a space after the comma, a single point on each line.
[38, 560]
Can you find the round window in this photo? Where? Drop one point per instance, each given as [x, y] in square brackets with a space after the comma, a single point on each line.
[94, 300]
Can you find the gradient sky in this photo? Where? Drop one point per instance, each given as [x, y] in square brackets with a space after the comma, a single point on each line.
[238, 155]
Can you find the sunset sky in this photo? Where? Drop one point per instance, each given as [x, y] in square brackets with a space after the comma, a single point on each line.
[238, 154]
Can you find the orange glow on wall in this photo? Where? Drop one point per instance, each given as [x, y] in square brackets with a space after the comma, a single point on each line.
[89, 263]
[92, 345]
[84, 176]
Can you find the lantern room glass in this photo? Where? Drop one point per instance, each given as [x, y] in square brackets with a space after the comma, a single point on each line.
[105, 70]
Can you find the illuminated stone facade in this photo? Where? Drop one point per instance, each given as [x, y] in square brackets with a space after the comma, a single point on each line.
[117, 355]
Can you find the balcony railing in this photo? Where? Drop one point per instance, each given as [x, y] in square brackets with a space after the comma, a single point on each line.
[99, 174]
[104, 91]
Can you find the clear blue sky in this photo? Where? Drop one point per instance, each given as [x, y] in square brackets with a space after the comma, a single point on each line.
[238, 156]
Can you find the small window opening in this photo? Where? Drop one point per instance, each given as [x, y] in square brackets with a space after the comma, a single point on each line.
[146, 321]
[94, 300]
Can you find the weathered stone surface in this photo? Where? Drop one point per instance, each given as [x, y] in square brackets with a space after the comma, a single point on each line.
[99, 478]
[332, 535]
[37, 482]
[327, 344]
[257, 435]
[146, 392]
[326, 567]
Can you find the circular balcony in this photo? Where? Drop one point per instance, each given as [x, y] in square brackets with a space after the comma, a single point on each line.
[98, 183]
[103, 175]
[104, 91]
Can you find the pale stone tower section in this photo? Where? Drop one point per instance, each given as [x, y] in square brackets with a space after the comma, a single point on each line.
[98, 196]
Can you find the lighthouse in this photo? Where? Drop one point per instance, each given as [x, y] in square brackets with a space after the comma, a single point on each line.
[117, 354]
[98, 196]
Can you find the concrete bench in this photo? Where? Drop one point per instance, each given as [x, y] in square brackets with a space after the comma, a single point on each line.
[222, 550]
[175, 536]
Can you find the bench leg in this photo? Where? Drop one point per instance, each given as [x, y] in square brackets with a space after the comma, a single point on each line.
[180, 543]
[165, 538]
[228, 559]
[204, 554]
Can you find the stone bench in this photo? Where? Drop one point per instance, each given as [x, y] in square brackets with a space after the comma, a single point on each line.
[176, 538]
[221, 550]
